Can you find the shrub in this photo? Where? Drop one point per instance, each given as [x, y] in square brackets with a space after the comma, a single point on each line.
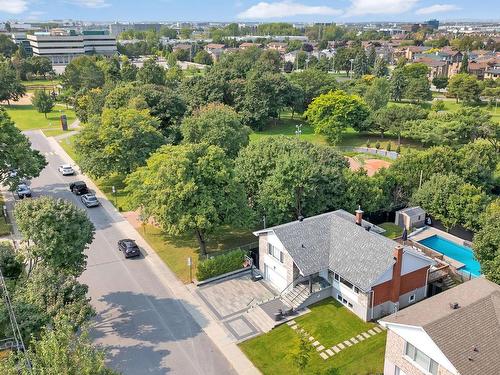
[220, 265]
[368, 144]
[389, 146]
[377, 145]
[438, 105]
[398, 149]
[10, 264]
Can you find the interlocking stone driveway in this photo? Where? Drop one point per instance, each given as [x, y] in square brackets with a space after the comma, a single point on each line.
[230, 298]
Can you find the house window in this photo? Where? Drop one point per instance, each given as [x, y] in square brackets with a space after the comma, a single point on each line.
[275, 252]
[337, 277]
[346, 283]
[421, 359]
[349, 304]
[411, 299]
[339, 297]
[356, 289]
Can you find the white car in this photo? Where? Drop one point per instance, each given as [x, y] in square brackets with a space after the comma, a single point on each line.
[66, 170]
[89, 200]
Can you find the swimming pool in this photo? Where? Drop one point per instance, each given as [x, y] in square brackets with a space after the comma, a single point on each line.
[453, 250]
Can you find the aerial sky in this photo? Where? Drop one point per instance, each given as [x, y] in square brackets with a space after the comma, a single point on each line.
[250, 10]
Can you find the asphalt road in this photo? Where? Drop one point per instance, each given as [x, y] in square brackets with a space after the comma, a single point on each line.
[144, 328]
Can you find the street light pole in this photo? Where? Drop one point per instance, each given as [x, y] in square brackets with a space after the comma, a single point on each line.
[350, 72]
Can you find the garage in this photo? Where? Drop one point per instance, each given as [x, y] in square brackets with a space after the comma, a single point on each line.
[273, 276]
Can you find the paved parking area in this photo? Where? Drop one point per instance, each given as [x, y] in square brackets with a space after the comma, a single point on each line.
[229, 299]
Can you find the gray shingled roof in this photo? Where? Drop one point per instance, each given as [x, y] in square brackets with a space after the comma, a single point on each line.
[476, 323]
[334, 241]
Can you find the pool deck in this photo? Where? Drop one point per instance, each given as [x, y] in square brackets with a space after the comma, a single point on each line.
[427, 232]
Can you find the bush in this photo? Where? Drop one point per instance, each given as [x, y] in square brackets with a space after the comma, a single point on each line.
[389, 146]
[10, 264]
[377, 145]
[220, 265]
[368, 144]
[438, 105]
[398, 149]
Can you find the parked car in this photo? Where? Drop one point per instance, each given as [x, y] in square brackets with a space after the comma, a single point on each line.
[23, 191]
[78, 188]
[66, 170]
[89, 200]
[129, 248]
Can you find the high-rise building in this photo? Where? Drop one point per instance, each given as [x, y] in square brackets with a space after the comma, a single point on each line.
[433, 24]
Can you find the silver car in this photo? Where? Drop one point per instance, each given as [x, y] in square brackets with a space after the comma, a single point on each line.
[89, 200]
[23, 191]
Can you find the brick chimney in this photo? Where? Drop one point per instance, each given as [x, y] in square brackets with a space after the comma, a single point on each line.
[396, 273]
[359, 216]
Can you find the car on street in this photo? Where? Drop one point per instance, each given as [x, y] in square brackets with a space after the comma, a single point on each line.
[23, 191]
[78, 188]
[129, 248]
[89, 200]
[66, 170]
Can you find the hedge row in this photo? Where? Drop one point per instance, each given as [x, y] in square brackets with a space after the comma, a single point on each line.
[221, 264]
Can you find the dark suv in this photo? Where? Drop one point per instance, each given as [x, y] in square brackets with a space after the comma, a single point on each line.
[129, 248]
[78, 188]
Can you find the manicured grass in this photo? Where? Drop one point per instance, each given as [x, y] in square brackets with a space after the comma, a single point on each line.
[54, 132]
[27, 117]
[452, 105]
[391, 230]
[42, 82]
[174, 251]
[330, 323]
[4, 227]
[272, 353]
[68, 146]
[350, 138]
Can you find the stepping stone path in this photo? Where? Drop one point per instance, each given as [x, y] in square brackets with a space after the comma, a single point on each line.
[330, 352]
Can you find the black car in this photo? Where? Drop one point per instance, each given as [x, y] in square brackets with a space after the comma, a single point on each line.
[78, 188]
[129, 248]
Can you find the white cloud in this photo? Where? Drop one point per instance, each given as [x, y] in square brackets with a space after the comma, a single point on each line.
[91, 3]
[437, 8]
[13, 6]
[283, 9]
[362, 7]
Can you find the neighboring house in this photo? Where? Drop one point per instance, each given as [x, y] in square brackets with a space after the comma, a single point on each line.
[247, 45]
[411, 217]
[215, 50]
[341, 255]
[278, 46]
[492, 73]
[455, 332]
[437, 68]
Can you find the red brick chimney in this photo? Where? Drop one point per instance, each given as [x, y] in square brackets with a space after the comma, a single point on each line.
[359, 216]
[396, 273]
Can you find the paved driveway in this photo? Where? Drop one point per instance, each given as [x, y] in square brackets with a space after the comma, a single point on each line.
[229, 299]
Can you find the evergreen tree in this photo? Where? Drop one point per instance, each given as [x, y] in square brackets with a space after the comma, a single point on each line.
[398, 84]
[464, 67]
[372, 57]
[380, 68]
[360, 67]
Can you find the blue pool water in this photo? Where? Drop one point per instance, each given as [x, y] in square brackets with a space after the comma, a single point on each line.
[452, 250]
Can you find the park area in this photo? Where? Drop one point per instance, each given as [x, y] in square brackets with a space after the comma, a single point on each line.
[329, 323]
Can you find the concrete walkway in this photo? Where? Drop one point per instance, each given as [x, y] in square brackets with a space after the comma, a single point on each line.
[190, 301]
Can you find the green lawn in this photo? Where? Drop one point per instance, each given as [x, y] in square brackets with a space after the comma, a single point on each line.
[174, 251]
[329, 323]
[54, 132]
[68, 146]
[4, 227]
[452, 105]
[391, 230]
[27, 117]
[350, 138]
[42, 82]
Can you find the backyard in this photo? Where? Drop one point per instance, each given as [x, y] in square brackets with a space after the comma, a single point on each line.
[330, 323]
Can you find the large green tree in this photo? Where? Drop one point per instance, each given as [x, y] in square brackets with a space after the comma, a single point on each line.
[11, 87]
[189, 188]
[394, 118]
[151, 72]
[118, 142]
[82, 72]
[60, 350]
[313, 83]
[378, 94]
[43, 102]
[398, 84]
[57, 234]
[487, 242]
[216, 124]
[16, 154]
[285, 177]
[465, 88]
[330, 114]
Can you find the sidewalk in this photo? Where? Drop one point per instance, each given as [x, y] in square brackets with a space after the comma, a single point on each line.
[189, 300]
